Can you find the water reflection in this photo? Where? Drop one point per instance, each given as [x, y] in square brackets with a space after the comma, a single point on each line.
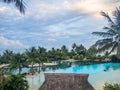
[35, 82]
[99, 73]
[98, 80]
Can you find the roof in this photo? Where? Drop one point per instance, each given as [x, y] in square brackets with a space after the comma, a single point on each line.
[60, 81]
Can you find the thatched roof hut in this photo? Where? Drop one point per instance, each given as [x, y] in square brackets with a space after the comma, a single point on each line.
[58, 81]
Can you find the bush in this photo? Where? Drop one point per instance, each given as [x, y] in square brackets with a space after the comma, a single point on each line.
[111, 87]
[14, 82]
[81, 57]
[75, 57]
[114, 58]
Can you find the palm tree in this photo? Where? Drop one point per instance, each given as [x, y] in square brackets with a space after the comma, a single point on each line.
[31, 56]
[18, 62]
[20, 4]
[80, 50]
[111, 37]
[7, 56]
[40, 56]
[73, 49]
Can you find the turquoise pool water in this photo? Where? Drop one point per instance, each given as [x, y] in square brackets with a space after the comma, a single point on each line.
[98, 74]
[87, 69]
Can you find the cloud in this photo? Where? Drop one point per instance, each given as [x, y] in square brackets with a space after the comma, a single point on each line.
[44, 9]
[7, 43]
[51, 39]
[46, 21]
[62, 30]
[3, 9]
[94, 7]
[47, 9]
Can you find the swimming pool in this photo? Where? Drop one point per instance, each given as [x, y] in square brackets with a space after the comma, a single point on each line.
[87, 69]
[98, 74]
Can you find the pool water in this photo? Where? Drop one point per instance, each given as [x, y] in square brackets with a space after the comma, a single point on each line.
[98, 74]
[86, 69]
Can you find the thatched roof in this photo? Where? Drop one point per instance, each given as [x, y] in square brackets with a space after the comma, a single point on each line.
[55, 81]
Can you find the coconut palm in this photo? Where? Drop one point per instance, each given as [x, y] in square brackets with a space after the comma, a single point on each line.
[111, 35]
[40, 56]
[20, 4]
[80, 50]
[31, 56]
[18, 62]
[7, 56]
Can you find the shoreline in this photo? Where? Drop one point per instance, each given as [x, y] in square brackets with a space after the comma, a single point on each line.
[34, 75]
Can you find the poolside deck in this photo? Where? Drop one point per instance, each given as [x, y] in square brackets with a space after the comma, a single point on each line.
[58, 81]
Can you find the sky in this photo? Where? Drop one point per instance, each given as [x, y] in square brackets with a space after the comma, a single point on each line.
[52, 23]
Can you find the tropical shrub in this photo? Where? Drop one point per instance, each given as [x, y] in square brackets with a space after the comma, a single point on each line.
[111, 86]
[14, 82]
[114, 58]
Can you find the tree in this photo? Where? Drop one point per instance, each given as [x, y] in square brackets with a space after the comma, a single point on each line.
[64, 52]
[14, 82]
[80, 50]
[73, 49]
[111, 37]
[111, 87]
[41, 52]
[74, 46]
[20, 4]
[91, 52]
[7, 56]
[18, 62]
[31, 56]
[0, 59]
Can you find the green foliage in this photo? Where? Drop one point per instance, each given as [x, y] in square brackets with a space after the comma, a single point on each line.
[7, 56]
[14, 82]
[80, 57]
[18, 62]
[91, 53]
[111, 87]
[41, 55]
[114, 58]
[75, 57]
[111, 35]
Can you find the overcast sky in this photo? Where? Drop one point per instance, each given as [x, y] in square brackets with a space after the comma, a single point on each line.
[52, 23]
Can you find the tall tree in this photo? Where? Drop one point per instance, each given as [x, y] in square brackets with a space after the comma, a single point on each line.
[18, 62]
[73, 49]
[31, 56]
[91, 52]
[80, 50]
[41, 56]
[111, 35]
[7, 56]
[64, 52]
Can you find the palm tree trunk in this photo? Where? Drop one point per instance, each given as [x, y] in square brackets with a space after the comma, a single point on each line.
[118, 51]
[20, 69]
[32, 69]
[39, 67]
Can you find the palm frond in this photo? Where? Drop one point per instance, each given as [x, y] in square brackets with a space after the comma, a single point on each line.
[103, 34]
[20, 4]
[106, 47]
[107, 16]
[110, 30]
[103, 42]
[117, 17]
[114, 47]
